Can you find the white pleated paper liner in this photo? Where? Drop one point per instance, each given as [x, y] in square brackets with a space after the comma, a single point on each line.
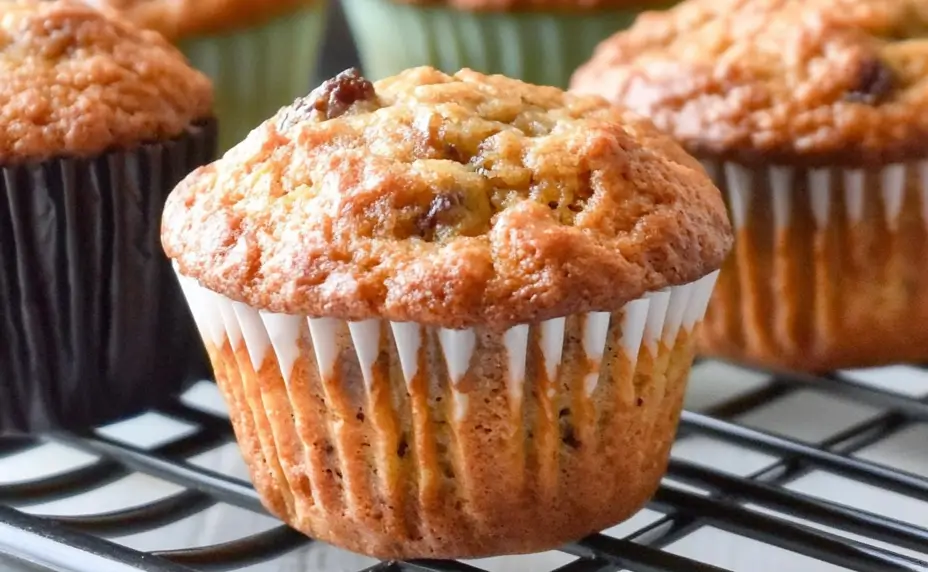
[258, 70]
[401, 440]
[540, 47]
[93, 326]
[828, 269]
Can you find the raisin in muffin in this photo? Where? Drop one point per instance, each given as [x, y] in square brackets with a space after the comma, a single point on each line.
[452, 315]
[261, 54]
[539, 41]
[811, 117]
[98, 122]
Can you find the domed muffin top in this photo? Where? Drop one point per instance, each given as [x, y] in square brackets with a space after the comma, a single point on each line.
[447, 200]
[76, 82]
[811, 81]
[178, 19]
[565, 6]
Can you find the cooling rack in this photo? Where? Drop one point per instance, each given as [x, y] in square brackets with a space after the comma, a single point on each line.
[806, 473]
[771, 472]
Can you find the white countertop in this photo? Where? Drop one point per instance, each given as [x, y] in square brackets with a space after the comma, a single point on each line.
[805, 415]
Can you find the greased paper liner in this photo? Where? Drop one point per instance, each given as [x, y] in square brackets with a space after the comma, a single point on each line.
[93, 325]
[645, 323]
[537, 47]
[259, 70]
[405, 441]
[824, 266]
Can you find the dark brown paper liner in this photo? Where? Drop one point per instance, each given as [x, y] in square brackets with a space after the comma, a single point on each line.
[93, 326]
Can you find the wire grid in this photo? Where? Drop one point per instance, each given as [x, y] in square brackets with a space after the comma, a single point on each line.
[69, 538]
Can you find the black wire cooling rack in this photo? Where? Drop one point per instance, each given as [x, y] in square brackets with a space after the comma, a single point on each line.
[59, 543]
[760, 506]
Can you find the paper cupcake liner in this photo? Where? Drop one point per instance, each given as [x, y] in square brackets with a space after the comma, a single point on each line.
[259, 70]
[400, 440]
[543, 48]
[92, 321]
[828, 269]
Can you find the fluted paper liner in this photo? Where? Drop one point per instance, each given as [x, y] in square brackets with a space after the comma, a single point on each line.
[402, 440]
[93, 326]
[258, 70]
[828, 269]
[539, 47]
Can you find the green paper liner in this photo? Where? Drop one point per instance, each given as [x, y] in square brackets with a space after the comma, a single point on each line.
[92, 320]
[259, 70]
[538, 47]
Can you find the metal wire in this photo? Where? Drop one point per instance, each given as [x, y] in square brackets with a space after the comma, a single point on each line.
[53, 541]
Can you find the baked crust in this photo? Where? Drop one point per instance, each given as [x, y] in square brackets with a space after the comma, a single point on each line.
[815, 82]
[76, 82]
[178, 19]
[447, 200]
[567, 6]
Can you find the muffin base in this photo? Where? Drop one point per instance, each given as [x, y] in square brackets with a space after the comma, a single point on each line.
[490, 42]
[92, 322]
[402, 441]
[259, 70]
[828, 269]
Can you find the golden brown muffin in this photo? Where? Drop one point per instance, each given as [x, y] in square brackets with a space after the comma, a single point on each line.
[810, 114]
[98, 122]
[77, 83]
[179, 19]
[452, 315]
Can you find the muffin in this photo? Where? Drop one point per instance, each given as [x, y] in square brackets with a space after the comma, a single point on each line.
[452, 315]
[261, 54]
[98, 122]
[539, 41]
[811, 117]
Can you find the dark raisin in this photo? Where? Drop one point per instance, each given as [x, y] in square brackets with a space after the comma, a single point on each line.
[401, 449]
[438, 208]
[873, 83]
[330, 100]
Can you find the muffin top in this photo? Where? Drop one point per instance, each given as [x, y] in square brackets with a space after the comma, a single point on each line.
[760, 81]
[568, 6]
[178, 19]
[76, 82]
[447, 200]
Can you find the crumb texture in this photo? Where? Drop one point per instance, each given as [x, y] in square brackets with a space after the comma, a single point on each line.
[76, 82]
[565, 6]
[447, 200]
[826, 81]
[179, 19]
